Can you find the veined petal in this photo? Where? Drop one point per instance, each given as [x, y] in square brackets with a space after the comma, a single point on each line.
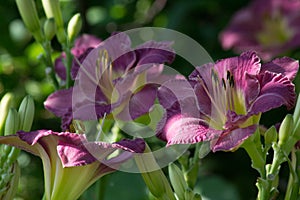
[286, 66]
[276, 90]
[231, 140]
[180, 129]
[247, 62]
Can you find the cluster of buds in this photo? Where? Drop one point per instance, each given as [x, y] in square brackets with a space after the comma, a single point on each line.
[54, 23]
[12, 121]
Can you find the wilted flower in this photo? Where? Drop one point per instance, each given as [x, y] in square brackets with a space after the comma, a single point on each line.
[270, 27]
[113, 77]
[71, 163]
[230, 97]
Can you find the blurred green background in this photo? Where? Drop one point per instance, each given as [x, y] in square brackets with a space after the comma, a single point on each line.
[223, 176]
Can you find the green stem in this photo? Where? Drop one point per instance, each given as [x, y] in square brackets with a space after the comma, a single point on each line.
[48, 61]
[68, 63]
[293, 184]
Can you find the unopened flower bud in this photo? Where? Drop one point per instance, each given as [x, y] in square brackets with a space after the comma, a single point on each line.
[5, 105]
[270, 136]
[153, 176]
[49, 28]
[74, 26]
[286, 129]
[177, 180]
[61, 35]
[26, 113]
[30, 17]
[52, 10]
[12, 123]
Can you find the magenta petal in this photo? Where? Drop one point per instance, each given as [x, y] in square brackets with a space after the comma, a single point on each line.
[60, 68]
[186, 130]
[276, 90]
[286, 66]
[155, 53]
[139, 103]
[59, 102]
[73, 154]
[233, 139]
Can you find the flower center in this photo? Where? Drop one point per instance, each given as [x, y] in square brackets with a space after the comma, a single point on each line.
[275, 32]
[224, 97]
[105, 76]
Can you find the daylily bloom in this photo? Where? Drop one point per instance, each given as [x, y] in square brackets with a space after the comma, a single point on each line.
[114, 78]
[71, 163]
[270, 27]
[230, 96]
[82, 46]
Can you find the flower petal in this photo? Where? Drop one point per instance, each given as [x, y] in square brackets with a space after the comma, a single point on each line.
[286, 66]
[276, 90]
[180, 129]
[232, 139]
[153, 52]
[59, 102]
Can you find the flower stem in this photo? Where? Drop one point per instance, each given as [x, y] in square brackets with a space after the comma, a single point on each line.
[68, 63]
[293, 184]
[49, 64]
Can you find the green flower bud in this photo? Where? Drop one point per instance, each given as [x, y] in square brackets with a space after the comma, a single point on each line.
[30, 17]
[286, 129]
[52, 10]
[5, 104]
[177, 180]
[74, 26]
[270, 136]
[156, 181]
[49, 28]
[12, 123]
[61, 35]
[26, 113]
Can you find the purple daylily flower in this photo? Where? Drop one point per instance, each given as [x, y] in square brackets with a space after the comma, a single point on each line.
[71, 163]
[82, 46]
[230, 96]
[114, 78]
[270, 27]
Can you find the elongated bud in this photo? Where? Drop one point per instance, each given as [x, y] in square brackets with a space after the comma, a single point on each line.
[30, 17]
[177, 180]
[74, 26]
[49, 28]
[26, 113]
[61, 35]
[286, 129]
[12, 123]
[270, 136]
[156, 181]
[5, 105]
[12, 185]
[52, 10]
